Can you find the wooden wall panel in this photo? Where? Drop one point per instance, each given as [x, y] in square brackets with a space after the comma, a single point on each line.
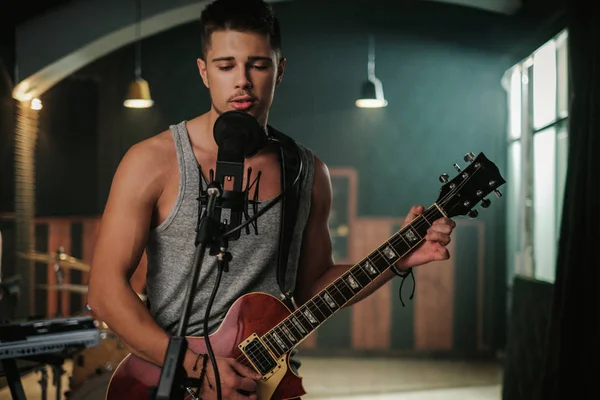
[434, 305]
[371, 317]
[90, 232]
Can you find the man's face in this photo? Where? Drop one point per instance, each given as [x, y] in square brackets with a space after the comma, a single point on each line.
[241, 71]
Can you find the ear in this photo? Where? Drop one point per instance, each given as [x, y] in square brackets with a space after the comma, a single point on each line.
[280, 69]
[202, 69]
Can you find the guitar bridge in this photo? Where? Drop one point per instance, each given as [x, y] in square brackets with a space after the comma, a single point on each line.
[260, 356]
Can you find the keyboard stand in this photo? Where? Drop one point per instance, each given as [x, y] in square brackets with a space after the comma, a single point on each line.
[13, 379]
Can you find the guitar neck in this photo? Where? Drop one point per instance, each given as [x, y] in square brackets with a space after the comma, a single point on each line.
[307, 318]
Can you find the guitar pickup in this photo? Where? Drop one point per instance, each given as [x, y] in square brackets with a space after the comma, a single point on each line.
[260, 356]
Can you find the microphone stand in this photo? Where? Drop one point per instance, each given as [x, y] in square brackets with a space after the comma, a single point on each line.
[173, 381]
[59, 280]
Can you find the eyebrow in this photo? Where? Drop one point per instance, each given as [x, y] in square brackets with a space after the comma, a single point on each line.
[250, 58]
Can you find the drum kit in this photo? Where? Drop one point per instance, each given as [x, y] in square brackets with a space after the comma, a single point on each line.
[92, 367]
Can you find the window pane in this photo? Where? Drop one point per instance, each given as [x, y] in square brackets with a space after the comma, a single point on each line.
[562, 149]
[515, 104]
[544, 208]
[514, 207]
[544, 85]
[562, 53]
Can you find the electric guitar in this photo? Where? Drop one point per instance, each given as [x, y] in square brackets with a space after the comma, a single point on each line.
[260, 331]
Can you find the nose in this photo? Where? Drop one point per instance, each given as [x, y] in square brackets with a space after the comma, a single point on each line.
[243, 79]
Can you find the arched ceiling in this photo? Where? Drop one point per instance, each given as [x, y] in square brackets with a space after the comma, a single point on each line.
[76, 33]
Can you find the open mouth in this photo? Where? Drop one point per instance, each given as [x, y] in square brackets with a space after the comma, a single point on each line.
[242, 102]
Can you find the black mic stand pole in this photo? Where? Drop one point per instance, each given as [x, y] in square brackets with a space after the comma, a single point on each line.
[173, 376]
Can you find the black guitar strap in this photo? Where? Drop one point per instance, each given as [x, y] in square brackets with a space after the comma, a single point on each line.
[290, 163]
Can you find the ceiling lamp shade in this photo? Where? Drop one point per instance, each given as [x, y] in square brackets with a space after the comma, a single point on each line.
[371, 95]
[138, 95]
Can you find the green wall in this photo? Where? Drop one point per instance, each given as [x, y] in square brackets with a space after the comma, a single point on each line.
[441, 68]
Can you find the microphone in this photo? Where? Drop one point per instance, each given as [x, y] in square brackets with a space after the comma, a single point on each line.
[238, 136]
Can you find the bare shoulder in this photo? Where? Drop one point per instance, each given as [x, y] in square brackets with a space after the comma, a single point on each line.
[155, 150]
[150, 156]
[147, 164]
[322, 191]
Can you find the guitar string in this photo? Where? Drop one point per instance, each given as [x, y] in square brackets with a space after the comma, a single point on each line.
[417, 224]
[377, 257]
[312, 306]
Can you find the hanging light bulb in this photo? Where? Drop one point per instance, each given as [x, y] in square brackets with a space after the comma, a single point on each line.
[138, 93]
[372, 89]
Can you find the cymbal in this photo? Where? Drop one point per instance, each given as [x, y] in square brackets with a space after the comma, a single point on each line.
[62, 259]
[68, 287]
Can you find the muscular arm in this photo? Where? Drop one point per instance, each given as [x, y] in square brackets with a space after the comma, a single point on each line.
[122, 236]
[317, 268]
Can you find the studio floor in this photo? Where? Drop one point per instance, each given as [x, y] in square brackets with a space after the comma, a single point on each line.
[331, 378]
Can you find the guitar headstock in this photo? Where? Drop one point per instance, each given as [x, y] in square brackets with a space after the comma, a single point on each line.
[470, 186]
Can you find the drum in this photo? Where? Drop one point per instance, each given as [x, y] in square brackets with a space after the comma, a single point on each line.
[100, 360]
[93, 388]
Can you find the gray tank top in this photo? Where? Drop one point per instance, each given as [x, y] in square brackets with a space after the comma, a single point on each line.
[170, 250]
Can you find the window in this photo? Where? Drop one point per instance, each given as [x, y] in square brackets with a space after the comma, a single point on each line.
[538, 101]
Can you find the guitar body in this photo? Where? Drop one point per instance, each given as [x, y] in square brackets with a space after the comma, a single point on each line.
[254, 313]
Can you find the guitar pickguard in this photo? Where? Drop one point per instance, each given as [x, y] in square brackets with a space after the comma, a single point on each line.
[267, 387]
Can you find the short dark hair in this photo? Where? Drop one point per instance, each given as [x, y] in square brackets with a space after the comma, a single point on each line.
[240, 15]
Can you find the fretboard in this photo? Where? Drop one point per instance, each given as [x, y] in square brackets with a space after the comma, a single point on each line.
[297, 326]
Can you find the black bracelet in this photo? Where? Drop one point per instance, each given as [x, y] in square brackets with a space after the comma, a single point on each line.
[195, 367]
[403, 275]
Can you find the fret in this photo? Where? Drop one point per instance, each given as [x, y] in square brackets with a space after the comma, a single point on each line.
[361, 274]
[330, 300]
[323, 307]
[271, 344]
[335, 295]
[288, 334]
[315, 311]
[424, 216]
[389, 252]
[302, 330]
[304, 314]
[378, 261]
[352, 282]
[280, 347]
[289, 324]
[344, 289]
[369, 267]
[281, 340]
[411, 236]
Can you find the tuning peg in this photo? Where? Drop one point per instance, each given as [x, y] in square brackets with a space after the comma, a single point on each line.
[485, 203]
[444, 178]
[469, 157]
[498, 193]
[473, 214]
[456, 167]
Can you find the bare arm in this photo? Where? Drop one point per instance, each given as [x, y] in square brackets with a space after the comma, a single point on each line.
[121, 240]
[317, 269]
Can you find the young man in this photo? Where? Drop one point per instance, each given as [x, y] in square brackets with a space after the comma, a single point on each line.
[152, 206]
